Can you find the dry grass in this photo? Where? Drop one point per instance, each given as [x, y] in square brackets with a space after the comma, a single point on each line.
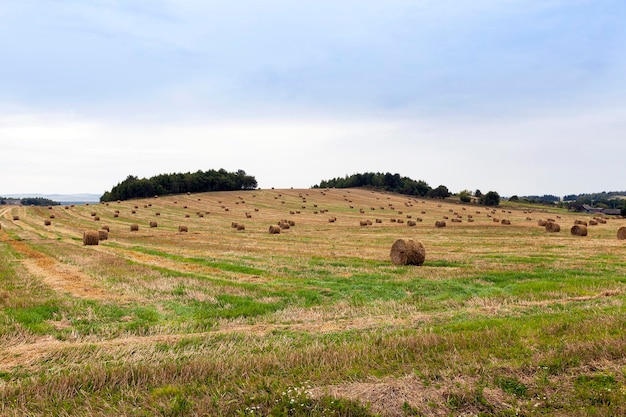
[211, 316]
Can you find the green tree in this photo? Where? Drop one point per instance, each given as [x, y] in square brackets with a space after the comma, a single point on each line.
[492, 198]
[465, 196]
[439, 192]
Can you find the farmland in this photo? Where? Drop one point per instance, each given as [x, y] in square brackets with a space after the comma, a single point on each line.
[502, 319]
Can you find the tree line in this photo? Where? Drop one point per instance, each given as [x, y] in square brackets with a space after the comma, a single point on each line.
[32, 201]
[404, 185]
[177, 183]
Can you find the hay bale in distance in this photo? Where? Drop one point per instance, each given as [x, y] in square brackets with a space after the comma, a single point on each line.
[105, 227]
[408, 252]
[16, 218]
[274, 229]
[584, 223]
[134, 227]
[505, 221]
[552, 227]
[621, 233]
[542, 223]
[241, 227]
[47, 222]
[153, 224]
[579, 230]
[183, 229]
[411, 223]
[103, 235]
[440, 223]
[91, 238]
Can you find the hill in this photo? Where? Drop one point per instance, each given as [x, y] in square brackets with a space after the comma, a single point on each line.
[502, 318]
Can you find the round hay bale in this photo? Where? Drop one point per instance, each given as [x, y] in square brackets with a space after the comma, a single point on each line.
[16, 218]
[621, 233]
[400, 221]
[584, 223]
[379, 220]
[241, 227]
[440, 223]
[134, 227]
[332, 219]
[182, 229]
[411, 223]
[96, 218]
[47, 222]
[103, 235]
[105, 227]
[91, 238]
[52, 216]
[505, 221]
[116, 215]
[542, 223]
[291, 223]
[153, 224]
[274, 229]
[284, 225]
[93, 213]
[579, 230]
[407, 252]
[593, 223]
[363, 223]
[553, 227]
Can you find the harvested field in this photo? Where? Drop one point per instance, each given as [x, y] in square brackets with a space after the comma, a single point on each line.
[313, 320]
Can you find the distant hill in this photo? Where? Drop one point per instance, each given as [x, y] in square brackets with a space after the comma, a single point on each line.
[61, 198]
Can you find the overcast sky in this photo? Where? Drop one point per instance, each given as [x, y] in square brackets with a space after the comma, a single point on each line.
[517, 96]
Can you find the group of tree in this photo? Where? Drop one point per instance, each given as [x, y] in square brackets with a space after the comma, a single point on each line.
[32, 201]
[388, 182]
[546, 199]
[606, 200]
[405, 185]
[177, 183]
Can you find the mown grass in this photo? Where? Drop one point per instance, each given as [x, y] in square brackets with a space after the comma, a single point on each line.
[315, 321]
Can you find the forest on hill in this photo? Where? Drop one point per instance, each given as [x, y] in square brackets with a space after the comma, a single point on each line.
[404, 185]
[177, 183]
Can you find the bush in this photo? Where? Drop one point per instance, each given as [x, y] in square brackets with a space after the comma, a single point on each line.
[492, 198]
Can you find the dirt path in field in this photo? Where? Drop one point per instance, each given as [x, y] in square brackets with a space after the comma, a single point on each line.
[59, 276]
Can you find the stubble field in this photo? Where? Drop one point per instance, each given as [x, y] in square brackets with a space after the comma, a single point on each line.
[500, 320]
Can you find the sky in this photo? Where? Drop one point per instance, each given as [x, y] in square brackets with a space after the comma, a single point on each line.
[522, 97]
